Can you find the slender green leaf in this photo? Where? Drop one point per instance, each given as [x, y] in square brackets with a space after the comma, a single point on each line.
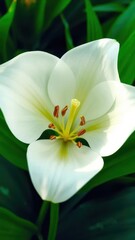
[124, 24]
[109, 7]
[39, 20]
[13, 227]
[68, 37]
[5, 24]
[127, 60]
[53, 9]
[11, 148]
[94, 30]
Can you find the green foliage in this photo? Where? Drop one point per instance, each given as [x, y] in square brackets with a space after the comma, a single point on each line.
[68, 37]
[109, 7]
[109, 213]
[13, 227]
[54, 9]
[5, 24]
[124, 24]
[127, 60]
[16, 152]
[16, 191]
[94, 30]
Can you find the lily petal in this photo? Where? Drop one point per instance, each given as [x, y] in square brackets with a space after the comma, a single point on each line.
[92, 63]
[58, 170]
[108, 133]
[98, 102]
[24, 98]
[61, 85]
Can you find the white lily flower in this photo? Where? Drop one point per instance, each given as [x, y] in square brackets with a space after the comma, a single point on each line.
[77, 96]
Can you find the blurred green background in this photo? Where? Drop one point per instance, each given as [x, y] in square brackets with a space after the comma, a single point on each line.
[55, 26]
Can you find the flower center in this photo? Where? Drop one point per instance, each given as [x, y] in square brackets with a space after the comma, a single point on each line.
[63, 125]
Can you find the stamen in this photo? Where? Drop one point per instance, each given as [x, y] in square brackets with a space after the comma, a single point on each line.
[79, 144]
[52, 137]
[64, 110]
[83, 121]
[81, 132]
[56, 111]
[51, 125]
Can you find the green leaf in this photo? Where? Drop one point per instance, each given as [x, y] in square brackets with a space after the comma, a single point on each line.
[17, 192]
[11, 148]
[68, 37]
[5, 24]
[13, 227]
[108, 213]
[8, 3]
[124, 24]
[127, 60]
[53, 9]
[94, 30]
[109, 7]
[39, 20]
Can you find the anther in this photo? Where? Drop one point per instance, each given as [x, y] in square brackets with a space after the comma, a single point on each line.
[79, 144]
[56, 111]
[64, 110]
[51, 125]
[83, 121]
[81, 132]
[52, 137]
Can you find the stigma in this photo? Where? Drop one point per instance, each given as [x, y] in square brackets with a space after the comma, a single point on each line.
[64, 123]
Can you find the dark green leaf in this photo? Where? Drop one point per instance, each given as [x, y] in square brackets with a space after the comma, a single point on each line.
[11, 148]
[94, 30]
[17, 192]
[13, 227]
[5, 24]
[109, 7]
[53, 9]
[68, 37]
[109, 213]
[127, 60]
[39, 20]
[124, 24]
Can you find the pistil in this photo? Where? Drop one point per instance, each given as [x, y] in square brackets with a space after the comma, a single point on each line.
[74, 105]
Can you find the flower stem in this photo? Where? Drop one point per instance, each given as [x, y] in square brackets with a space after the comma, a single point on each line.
[42, 214]
[54, 214]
